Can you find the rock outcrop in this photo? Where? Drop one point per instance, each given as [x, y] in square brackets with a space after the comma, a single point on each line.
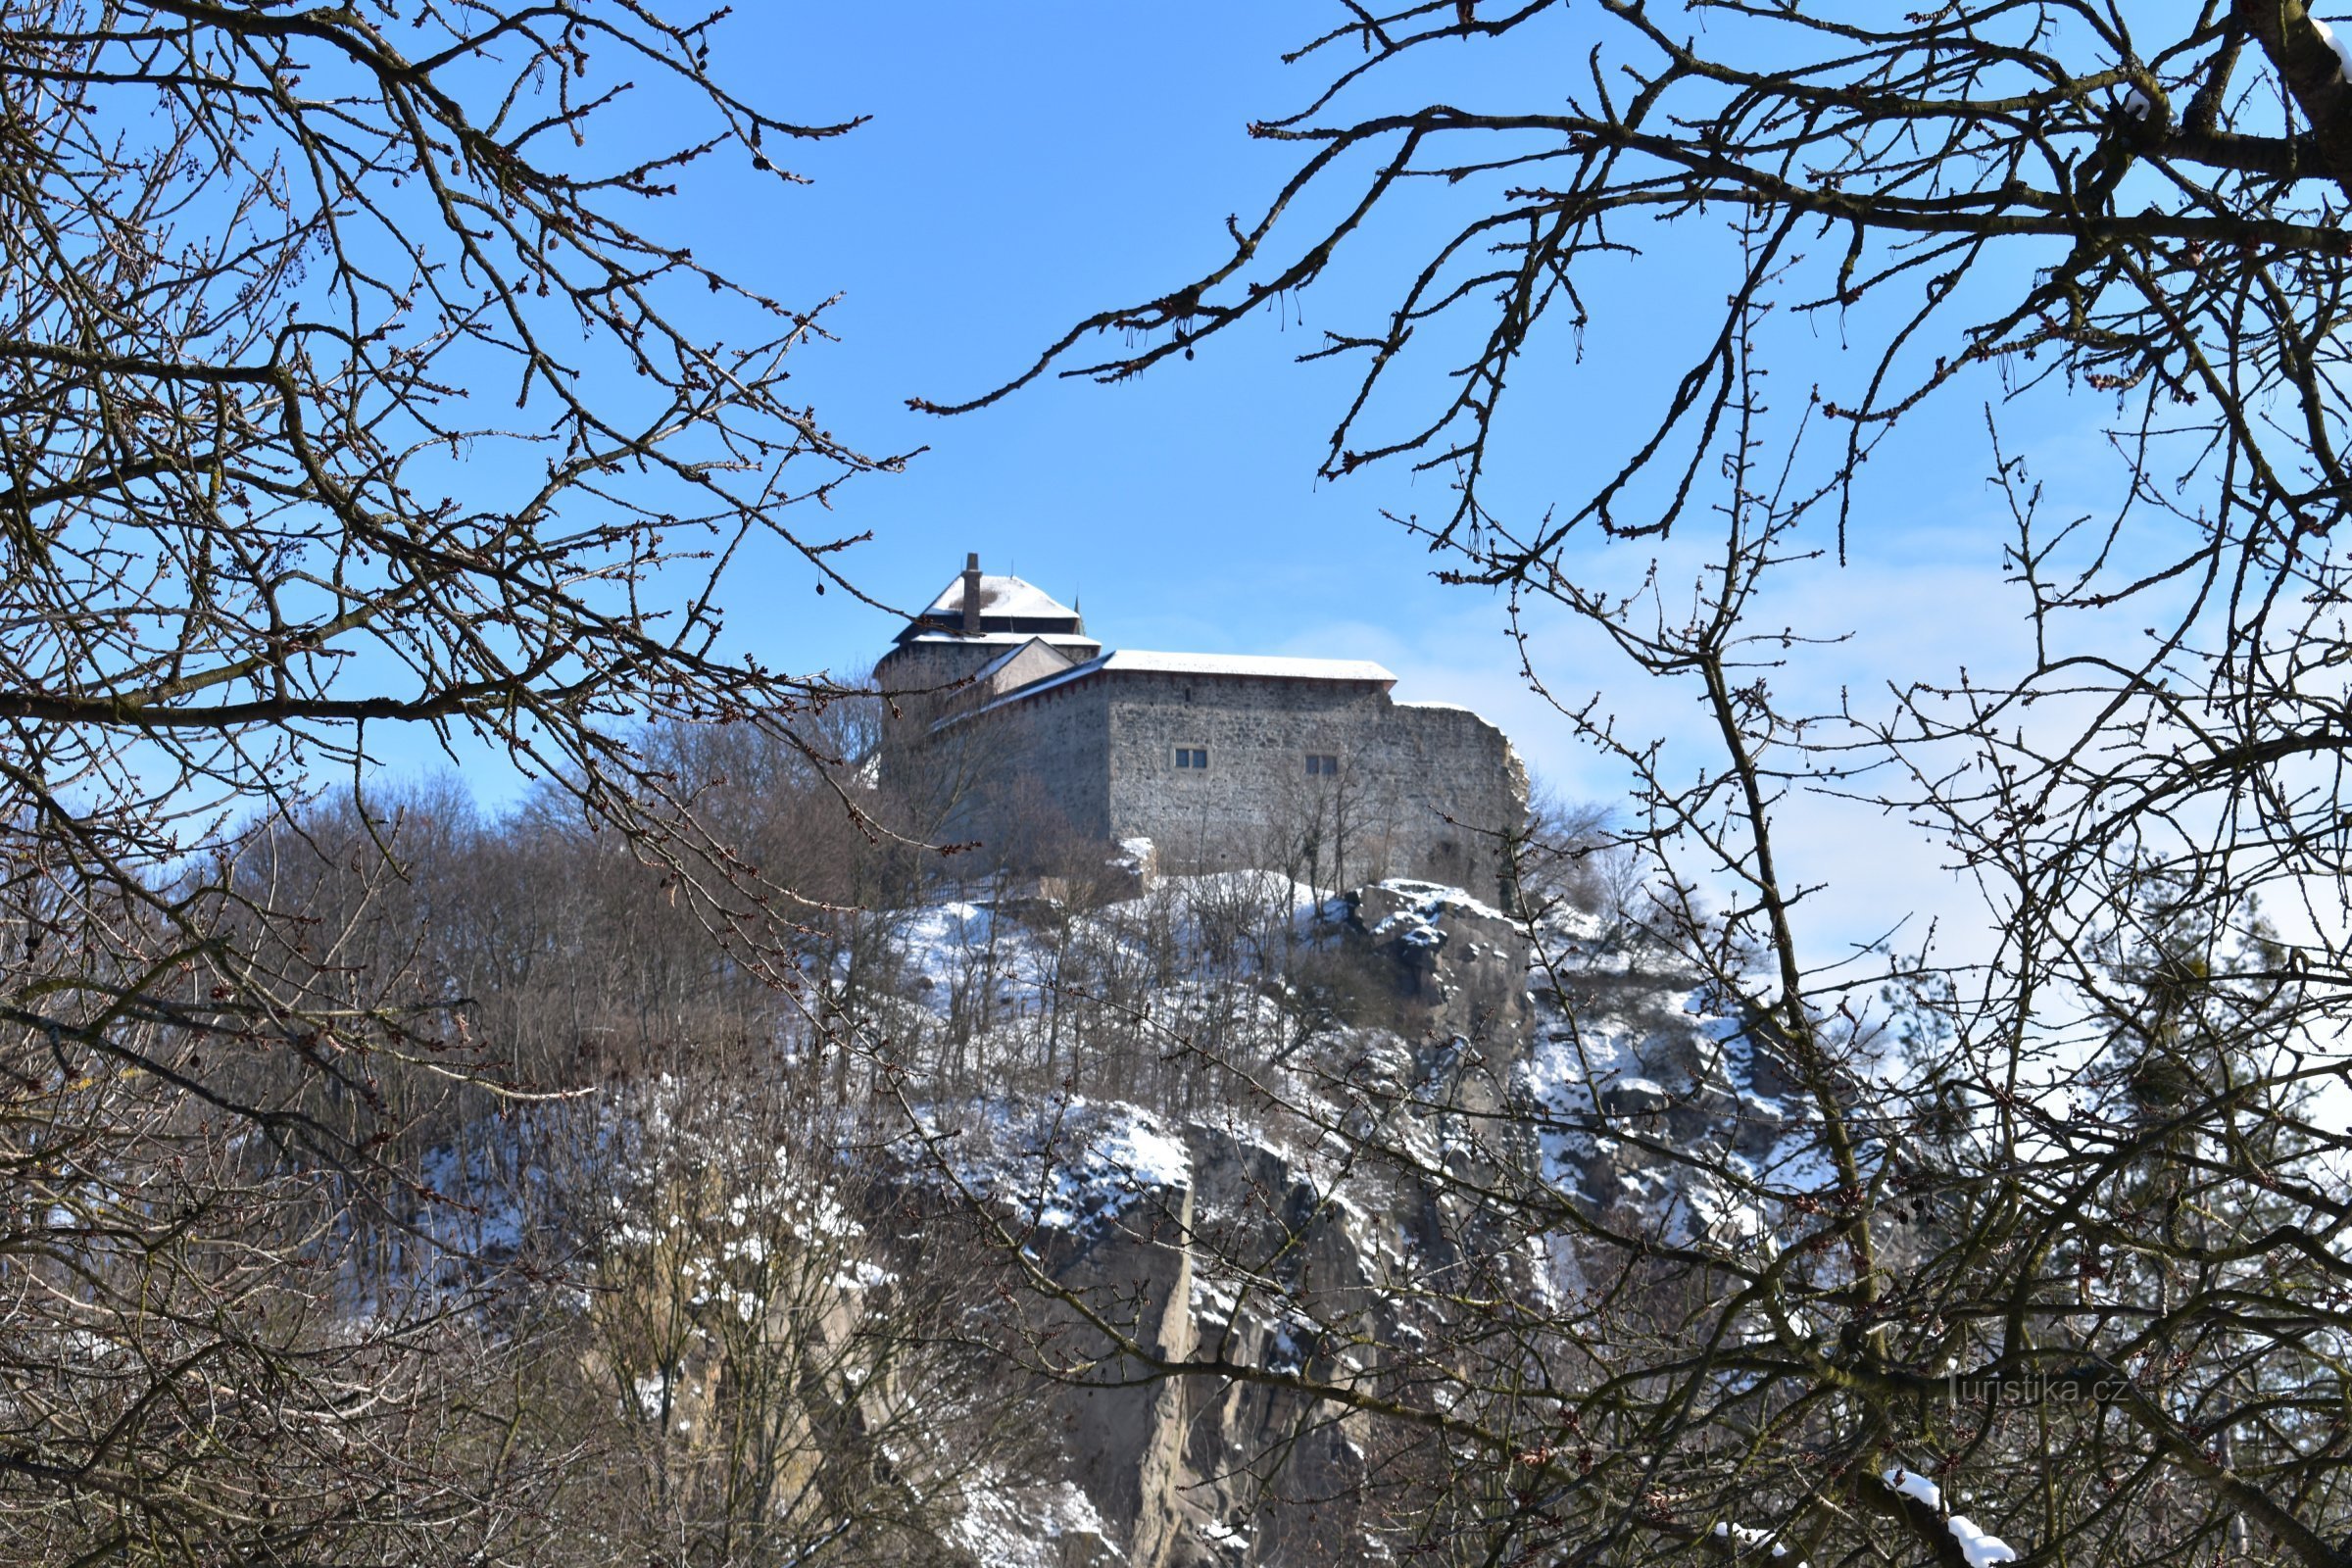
[1275, 1243]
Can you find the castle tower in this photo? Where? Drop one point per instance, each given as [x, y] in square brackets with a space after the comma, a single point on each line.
[982, 633]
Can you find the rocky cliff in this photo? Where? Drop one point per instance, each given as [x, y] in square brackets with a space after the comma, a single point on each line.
[1216, 1268]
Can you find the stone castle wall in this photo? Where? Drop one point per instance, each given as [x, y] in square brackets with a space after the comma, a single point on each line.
[1419, 790]
[1403, 771]
[921, 680]
[1059, 739]
[924, 682]
[1035, 770]
[920, 666]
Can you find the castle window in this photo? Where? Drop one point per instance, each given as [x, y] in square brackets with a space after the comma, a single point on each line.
[1192, 756]
[1323, 764]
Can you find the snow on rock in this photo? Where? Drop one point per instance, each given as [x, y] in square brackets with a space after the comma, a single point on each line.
[1635, 1095]
[861, 1275]
[1139, 1150]
[1138, 858]
[1424, 905]
[1625, 1057]
[1412, 927]
[1221, 1537]
[1075, 1165]
[1451, 952]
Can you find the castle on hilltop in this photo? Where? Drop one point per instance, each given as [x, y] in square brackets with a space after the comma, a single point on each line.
[1221, 760]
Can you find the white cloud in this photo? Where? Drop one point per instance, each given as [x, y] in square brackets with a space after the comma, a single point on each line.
[1922, 619]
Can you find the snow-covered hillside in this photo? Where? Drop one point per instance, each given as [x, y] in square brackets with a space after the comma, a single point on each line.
[1273, 1138]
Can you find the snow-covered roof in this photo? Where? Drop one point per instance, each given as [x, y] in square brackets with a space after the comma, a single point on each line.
[1145, 661]
[1266, 665]
[1013, 639]
[1009, 597]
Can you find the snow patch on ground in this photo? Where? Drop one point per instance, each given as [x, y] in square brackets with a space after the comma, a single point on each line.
[1031, 1527]
[955, 946]
[979, 951]
[477, 1207]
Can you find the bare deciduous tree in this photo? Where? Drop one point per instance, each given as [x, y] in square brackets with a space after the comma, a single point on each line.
[2056, 1264]
[271, 274]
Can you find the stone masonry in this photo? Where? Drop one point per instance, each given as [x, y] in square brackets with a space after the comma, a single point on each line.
[1300, 765]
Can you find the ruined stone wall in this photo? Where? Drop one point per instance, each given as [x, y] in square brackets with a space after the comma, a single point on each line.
[1401, 773]
[1447, 762]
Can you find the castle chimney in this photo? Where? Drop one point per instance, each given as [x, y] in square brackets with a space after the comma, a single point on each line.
[971, 594]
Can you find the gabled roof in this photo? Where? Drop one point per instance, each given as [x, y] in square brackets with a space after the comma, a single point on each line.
[1009, 597]
[1015, 651]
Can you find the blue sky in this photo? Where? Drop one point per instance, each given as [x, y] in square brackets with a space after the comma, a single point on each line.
[1028, 163]
[1025, 165]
